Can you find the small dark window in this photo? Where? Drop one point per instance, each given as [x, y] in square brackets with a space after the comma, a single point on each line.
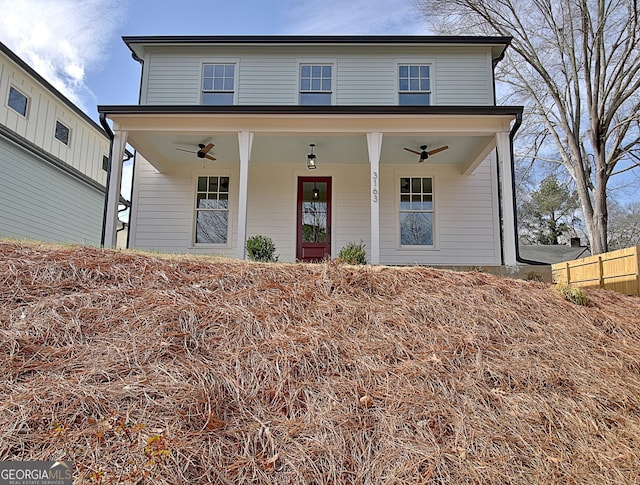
[105, 163]
[17, 101]
[62, 133]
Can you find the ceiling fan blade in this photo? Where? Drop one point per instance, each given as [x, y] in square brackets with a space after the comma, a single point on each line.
[183, 150]
[207, 148]
[438, 150]
[209, 157]
[412, 151]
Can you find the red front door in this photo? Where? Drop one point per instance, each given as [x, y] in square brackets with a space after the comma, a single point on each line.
[314, 219]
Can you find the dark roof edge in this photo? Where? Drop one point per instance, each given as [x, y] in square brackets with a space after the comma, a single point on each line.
[297, 109]
[316, 39]
[47, 85]
[48, 158]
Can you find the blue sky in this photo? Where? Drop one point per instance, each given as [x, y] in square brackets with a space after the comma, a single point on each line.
[76, 44]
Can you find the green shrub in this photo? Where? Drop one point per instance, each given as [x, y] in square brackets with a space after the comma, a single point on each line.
[572, 293]
[261, 248]
[353, 253]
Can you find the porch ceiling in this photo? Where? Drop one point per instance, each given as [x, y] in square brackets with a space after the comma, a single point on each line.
[339, 138]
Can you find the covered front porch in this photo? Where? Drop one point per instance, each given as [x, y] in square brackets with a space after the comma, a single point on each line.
[361, 165]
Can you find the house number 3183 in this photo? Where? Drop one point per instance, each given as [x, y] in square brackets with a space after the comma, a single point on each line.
[374, 186]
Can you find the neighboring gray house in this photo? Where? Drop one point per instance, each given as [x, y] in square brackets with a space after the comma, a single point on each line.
[316, 141]
[53, 161]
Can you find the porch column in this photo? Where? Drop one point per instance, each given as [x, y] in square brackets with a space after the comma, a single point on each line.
[245, 140]
[118, 146]
[503, 144]
[374, 143]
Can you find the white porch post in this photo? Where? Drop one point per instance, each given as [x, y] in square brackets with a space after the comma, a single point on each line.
[503, 145]
[374, 144]
[245, 140]
[115, 182]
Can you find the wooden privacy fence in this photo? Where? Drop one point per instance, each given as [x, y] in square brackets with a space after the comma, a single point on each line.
[616, 270]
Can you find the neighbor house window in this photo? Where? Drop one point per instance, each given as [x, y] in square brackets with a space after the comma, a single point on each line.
[416, 211]
[62, 133]
[315, 84]
[218, 81]
[212, 210]
[414, 84]
[105, 163]
[17, 101]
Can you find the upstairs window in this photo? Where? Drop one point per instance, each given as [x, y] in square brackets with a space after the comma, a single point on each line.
[62, 133]
[416, 211]
[17, 101]
[414, 84]
[212, 210]
[315, 84]
[218, 81]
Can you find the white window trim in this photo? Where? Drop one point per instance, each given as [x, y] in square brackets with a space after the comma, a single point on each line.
[425, 61]
[415, 174]
[66, 125]
[326, 61]
[219, 60]
[21, 91]
[194, 244]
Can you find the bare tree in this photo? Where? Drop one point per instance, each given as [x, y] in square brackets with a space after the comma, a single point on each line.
[575, 65]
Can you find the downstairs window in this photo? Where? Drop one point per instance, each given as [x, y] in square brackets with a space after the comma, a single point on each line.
[212, 210]
[416, 211]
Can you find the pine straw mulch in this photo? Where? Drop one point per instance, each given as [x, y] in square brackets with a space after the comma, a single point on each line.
[150, 369]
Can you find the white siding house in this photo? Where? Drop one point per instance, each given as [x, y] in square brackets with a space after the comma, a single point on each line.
[226, 126]
[53, 161]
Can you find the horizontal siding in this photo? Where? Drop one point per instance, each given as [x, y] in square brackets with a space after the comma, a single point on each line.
[364, 76]
[465, 213]
[87, 145]
[466, 210]
[163, 208]
[42, 203]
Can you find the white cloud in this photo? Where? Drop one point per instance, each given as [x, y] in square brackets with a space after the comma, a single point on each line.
[355, 17]
[61, 39]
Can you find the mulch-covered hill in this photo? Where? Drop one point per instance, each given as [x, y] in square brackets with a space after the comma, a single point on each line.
[148, 369]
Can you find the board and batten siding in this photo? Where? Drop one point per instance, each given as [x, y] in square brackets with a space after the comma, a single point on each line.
[41, 202]
[87, 144]
[269, 75]
[466, 228]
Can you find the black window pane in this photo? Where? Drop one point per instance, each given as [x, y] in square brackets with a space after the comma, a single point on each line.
[217, 98]
[17, 101]
[416, 185]
[315, 98]
[426, 186]
[213, 184]
[404, 185]
[414, 99]
[62, 133]
[224, 184]
[202, 184]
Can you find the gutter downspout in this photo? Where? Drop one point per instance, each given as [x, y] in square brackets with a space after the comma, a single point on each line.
[512, 134]
[107, 128]
[128, 155]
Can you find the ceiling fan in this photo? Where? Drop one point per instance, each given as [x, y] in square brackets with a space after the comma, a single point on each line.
[203, 152]
[424, 154]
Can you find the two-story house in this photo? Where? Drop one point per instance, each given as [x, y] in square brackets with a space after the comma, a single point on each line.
[53, 160]
[318, 141]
